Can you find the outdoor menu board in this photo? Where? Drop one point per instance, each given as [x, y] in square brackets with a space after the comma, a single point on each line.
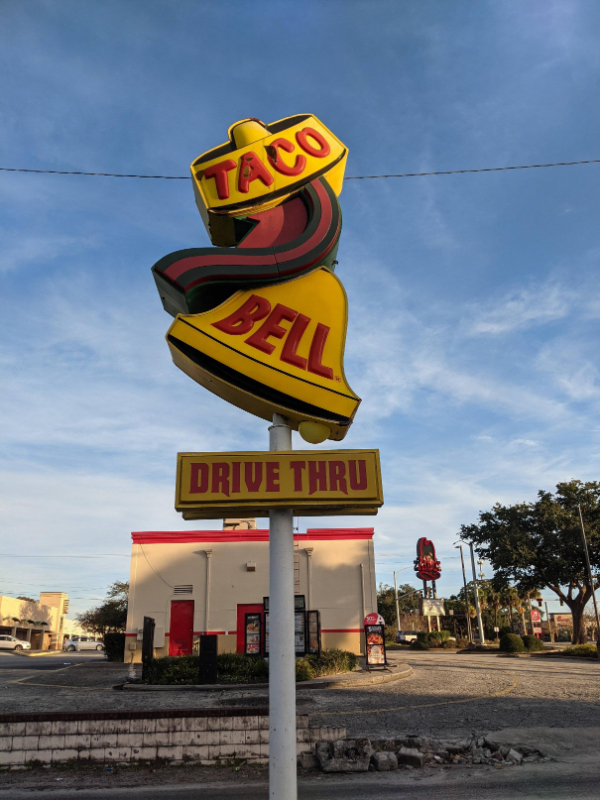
[314, 632]
[374, 625]
[300, 632]
[252, 633]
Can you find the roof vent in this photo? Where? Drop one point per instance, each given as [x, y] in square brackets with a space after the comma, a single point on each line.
[183, 590]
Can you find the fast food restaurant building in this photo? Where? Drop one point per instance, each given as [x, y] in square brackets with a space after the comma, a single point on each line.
[216, 582]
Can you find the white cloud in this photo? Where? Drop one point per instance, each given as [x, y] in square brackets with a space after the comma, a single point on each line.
[523, 309]
[572, 367]
[38, 249]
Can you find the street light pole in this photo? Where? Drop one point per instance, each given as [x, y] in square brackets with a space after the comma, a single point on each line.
[282, 656]
[589, 569]
[397, 605]
[462, 561]
[479, 620]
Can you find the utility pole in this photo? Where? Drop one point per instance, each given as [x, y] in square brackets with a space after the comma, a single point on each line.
[462, 561]
[397, 604]
[479, 620]
[548, 621]
[589, 569]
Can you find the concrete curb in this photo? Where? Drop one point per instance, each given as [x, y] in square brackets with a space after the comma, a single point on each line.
[345, 681]
[552, 655]
[38, 653]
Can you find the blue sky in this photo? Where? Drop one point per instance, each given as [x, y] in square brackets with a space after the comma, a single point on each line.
[473, 299]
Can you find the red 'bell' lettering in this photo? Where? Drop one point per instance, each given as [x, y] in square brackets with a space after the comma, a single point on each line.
[242, 321]
[316, 353]
[255, 309]
[271, 327]
[288, 353]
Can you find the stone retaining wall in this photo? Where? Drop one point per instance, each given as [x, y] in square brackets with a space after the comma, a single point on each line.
[203, 736]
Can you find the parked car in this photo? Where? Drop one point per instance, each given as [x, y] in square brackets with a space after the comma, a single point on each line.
[12, 643]
[82, 643]
[406, 637]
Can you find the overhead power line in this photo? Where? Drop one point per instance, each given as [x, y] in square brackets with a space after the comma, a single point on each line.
[348, 178]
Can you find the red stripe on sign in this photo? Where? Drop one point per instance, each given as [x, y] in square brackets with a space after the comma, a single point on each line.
[193, 262]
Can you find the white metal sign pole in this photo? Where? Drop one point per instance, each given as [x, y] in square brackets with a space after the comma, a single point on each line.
[282, 655]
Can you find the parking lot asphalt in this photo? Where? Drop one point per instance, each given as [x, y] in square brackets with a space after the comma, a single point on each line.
[15, 661]
[455, 694]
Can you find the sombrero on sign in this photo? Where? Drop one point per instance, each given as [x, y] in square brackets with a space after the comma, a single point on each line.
[260, 167]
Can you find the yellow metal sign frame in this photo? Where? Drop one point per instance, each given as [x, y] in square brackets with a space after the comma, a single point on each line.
[278, 349]
[312, 482]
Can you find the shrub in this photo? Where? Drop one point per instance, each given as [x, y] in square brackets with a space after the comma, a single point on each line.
[240, 668]
[504, 629]
[332, 662]
[231, 668]
[449, 644]
[438, 638]
[511, 643]
[532, 643]
[462, 643]
[423, 636]
[304, 671]
[581, 651]
[419, 644]
[114, 646]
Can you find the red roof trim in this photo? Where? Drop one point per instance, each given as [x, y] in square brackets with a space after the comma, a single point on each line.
[262, 535]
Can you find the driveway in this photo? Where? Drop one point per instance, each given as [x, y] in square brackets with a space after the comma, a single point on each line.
[13, 661]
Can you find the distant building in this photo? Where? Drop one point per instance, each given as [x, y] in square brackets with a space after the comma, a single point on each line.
[198, 582]
[43, 622]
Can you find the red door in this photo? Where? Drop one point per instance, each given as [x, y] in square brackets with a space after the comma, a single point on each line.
[242, 610]
[182, 626]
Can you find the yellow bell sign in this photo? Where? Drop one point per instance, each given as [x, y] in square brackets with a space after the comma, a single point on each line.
[276, 349]
[261, 166]
[210, 485]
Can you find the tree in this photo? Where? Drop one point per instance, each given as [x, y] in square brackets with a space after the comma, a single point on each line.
[386, 601]
[539, 545]
[510, 599]
[111, 616]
